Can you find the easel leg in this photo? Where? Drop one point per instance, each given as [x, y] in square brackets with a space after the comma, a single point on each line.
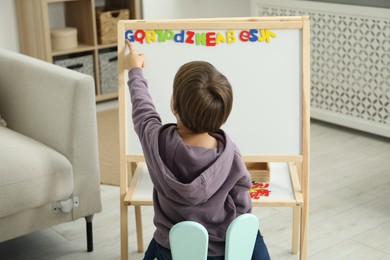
[303, 240]
[138, 224]
[295, 230]
[124, 231]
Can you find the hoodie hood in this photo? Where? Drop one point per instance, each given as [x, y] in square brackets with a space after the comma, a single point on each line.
[191, 175]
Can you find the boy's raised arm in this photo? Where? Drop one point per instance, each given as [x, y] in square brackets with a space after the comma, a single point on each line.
[133, 59]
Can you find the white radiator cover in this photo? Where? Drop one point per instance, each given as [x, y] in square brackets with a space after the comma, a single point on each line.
[350, 61]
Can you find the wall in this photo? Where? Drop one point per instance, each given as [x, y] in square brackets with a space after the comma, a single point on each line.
[176, 9]
[350, 69]
[9, 38]
[372, 3]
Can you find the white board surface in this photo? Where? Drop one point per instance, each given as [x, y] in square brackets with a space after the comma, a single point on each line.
[267, 86]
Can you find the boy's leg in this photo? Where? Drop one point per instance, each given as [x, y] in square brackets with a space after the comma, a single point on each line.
[260, 252]
[156, 251]
[163, 253]
[151, 252]
[215, 258]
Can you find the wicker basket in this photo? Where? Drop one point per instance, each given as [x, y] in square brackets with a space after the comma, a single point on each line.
[107, 23]
[82, 62]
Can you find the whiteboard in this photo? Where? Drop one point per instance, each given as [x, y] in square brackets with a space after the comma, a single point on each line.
[266, 78]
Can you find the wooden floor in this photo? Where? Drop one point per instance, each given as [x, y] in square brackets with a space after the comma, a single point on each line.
[349, 209]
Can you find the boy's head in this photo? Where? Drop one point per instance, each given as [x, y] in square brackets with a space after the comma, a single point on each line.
[202, 97]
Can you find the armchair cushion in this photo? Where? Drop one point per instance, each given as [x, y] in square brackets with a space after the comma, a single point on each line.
[40, 176]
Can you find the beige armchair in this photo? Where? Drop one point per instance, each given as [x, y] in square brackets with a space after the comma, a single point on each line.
[49, 170]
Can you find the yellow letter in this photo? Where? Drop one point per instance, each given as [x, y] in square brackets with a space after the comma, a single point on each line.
[266, 35]
[220, 38]
[150, 36]
[230, 36]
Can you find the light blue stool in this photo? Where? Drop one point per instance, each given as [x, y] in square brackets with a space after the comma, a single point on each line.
[189, 240]
[241, 237]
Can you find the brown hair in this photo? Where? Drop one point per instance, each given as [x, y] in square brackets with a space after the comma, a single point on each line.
[202, 97]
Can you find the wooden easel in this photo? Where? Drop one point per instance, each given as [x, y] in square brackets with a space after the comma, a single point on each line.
[135, 184]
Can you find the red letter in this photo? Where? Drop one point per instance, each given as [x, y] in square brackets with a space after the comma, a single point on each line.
[139, 36]
[244, 36]
[210, 39]
[190, 37]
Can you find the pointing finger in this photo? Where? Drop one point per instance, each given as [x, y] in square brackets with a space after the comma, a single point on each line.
[130, 46]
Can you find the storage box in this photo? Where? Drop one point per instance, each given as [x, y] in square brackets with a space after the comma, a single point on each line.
[108, 64]
[63, 38]
[259, 171]
[82, 62]
[106, 20]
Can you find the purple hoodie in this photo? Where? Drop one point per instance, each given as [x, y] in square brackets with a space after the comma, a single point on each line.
[209, 186]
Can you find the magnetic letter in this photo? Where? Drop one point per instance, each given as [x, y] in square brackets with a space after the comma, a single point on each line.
[190, 37]
[220, 38]
[150, 36]
[253, 35]
[129, 35]
[139, 36]
[168, 35]
[200, 39]
[230, 36]
[244, 36]
[160, 35]
[210, 39]
[266, 35]
[179, 37]
[269, 35]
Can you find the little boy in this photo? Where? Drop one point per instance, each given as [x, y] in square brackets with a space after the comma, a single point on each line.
[197, 171]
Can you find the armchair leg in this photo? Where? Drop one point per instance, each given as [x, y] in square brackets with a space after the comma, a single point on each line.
[88, 220]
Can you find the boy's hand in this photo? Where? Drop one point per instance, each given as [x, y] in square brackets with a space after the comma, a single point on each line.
[133, 60]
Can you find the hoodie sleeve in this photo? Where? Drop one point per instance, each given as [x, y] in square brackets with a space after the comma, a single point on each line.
[240, 191]
[145, 116]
